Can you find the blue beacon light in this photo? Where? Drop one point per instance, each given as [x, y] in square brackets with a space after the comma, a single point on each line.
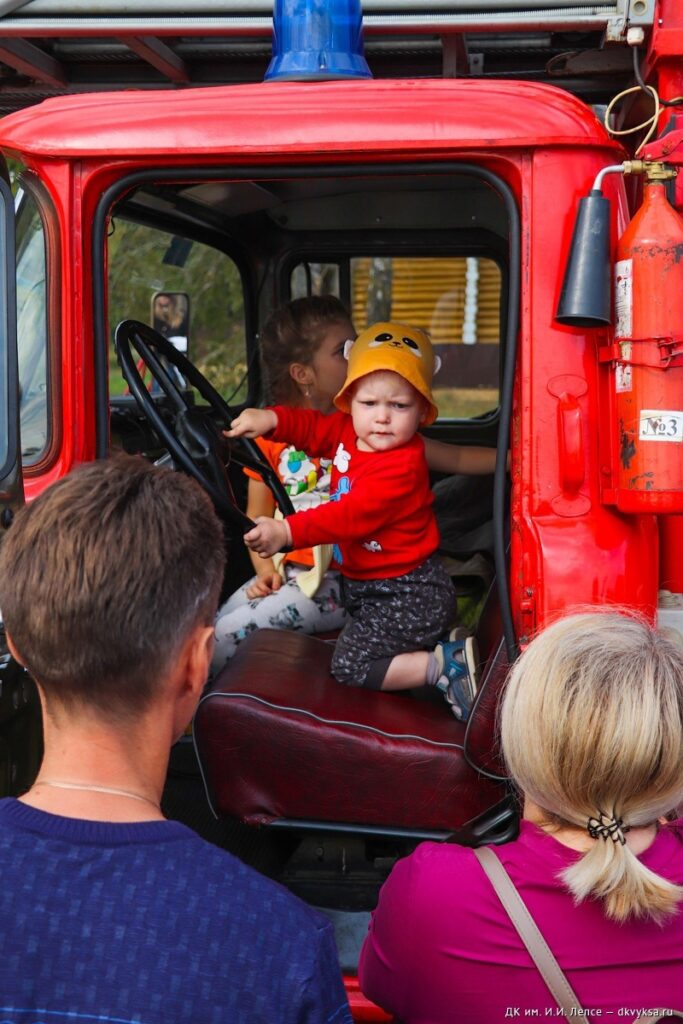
[317, 40]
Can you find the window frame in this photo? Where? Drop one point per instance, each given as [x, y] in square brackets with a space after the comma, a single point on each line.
[493, 251]
[512, 307]
[39, 194]
[9, 389]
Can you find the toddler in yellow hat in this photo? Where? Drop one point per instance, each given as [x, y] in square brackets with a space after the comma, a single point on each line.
[396, 348]
[398, 596]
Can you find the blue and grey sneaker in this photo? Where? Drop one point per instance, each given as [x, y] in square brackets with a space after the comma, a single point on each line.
[458, 681]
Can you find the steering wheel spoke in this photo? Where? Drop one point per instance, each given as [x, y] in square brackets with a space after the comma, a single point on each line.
[161, 375]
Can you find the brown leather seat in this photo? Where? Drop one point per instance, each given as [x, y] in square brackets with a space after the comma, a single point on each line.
[278, 738]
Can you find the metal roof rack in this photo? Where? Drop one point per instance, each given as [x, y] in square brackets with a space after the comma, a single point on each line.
[52, 47]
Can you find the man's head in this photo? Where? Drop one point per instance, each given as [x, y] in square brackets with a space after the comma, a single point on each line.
[104, 577]
[404, 350]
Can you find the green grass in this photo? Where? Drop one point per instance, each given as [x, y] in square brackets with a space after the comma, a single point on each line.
[465, 403]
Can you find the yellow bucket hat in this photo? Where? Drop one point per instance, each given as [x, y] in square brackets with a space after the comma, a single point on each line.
[392, 346]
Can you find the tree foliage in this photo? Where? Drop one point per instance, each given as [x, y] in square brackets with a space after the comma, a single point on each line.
[141, 264]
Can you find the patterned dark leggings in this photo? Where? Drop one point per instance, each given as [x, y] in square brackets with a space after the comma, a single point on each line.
[389, 617]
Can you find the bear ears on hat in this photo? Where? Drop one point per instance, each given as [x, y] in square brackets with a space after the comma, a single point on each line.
[350, 342]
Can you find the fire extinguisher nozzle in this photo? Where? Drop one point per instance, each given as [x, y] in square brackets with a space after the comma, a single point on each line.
[585, 299]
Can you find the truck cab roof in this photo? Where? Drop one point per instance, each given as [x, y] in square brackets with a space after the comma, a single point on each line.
[422, 116]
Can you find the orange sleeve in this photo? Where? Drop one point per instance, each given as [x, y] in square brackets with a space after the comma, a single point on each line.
[271, 452]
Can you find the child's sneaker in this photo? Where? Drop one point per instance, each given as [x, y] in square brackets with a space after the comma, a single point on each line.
[458, 681]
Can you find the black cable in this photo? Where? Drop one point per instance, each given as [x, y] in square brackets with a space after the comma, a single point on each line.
[677, 102]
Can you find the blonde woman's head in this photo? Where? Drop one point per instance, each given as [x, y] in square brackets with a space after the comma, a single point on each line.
[592, 724]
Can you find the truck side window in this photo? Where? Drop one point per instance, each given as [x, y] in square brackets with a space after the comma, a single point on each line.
[32, 331]
[315, 279]
[147, 267]
[457, 300]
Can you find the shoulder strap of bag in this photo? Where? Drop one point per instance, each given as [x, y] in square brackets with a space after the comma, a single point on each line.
[526, 927]
[528, 931]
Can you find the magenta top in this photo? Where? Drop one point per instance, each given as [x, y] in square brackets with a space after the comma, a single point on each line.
[441, 948]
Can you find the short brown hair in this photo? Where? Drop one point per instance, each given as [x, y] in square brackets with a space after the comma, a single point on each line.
[103, 577]
[293, 334]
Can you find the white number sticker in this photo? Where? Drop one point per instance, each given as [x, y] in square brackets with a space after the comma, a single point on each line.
[661, 425]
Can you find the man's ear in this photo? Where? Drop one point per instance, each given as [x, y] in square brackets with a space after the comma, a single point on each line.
[198, 654]
[189, 676]
[13, 651]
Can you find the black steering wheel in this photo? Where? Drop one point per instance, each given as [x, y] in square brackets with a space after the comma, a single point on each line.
[194, 437]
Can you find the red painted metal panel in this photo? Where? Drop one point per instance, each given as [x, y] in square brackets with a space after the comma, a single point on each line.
[287, 118]
[361, 1007]
[74, 393]
[568, 547]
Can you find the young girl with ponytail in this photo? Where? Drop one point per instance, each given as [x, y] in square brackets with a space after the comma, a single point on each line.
[592, 734]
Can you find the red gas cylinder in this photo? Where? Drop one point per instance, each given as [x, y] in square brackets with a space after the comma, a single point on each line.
[648, 369]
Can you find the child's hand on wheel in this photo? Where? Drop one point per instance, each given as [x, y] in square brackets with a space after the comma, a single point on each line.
[268, 536]
[252, 423]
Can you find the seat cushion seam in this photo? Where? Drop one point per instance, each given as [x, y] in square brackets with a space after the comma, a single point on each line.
[333, 721]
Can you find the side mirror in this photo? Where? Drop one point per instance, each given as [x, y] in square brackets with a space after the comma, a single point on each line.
[171, 318]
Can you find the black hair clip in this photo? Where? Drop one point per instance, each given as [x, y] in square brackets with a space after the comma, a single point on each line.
[606, 827]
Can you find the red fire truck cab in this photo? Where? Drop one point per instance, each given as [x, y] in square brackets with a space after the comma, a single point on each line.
[446, 202]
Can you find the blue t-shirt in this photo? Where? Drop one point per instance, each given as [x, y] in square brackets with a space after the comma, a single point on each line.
[147, 923]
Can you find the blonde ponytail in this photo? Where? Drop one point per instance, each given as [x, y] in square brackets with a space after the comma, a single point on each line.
[628, 888]
[592, 732]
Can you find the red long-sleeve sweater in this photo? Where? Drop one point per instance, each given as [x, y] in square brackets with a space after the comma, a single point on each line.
[380, 513]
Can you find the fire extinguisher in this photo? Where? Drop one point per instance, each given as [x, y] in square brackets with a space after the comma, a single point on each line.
[647, 357]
